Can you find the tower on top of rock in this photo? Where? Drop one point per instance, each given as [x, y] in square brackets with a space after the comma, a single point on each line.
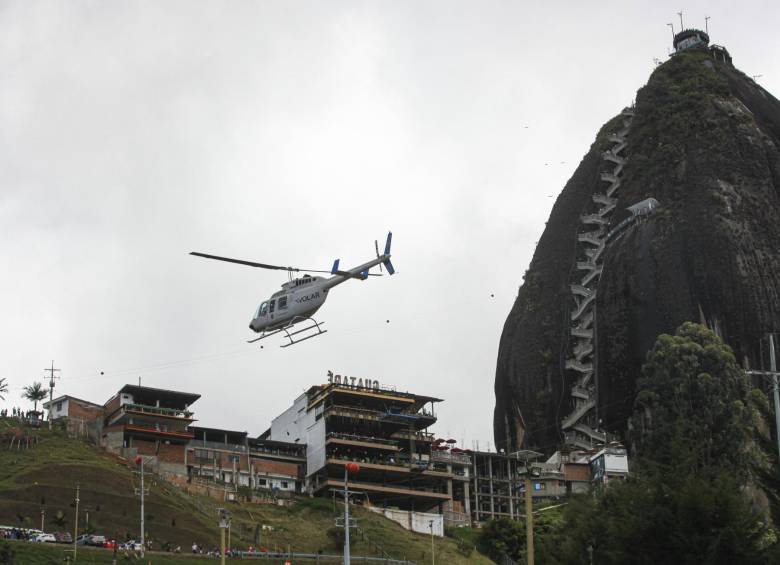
[690, 38]
[698, 39]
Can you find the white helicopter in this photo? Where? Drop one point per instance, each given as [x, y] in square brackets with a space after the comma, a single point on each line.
[301, 297]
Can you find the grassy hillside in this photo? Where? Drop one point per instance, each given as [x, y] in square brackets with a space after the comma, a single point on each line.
[49, 472]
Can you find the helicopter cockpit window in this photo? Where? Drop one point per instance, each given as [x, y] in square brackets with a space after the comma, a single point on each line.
[263, 309]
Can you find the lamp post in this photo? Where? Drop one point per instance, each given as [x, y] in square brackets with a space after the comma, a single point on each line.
[352, 468]
[224, 524]
[772, 374]
[139, 460]
[76, 527]
[433, 547]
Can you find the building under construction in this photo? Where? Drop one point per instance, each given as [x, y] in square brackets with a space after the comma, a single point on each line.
[382, 430]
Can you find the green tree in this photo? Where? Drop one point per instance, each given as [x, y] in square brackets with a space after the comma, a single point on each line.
[694, 409]
[502, 537]
[34, 393]
[686, 500]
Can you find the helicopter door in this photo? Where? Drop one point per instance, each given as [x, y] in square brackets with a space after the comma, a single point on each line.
[282, 305]
[271, 308]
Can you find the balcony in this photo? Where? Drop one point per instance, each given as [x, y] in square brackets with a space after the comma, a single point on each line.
[362, 441]
[152, 430]
[158, 411]
[417, 436]
[445, 457]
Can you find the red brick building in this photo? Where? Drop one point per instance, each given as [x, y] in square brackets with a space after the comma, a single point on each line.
[141, 420]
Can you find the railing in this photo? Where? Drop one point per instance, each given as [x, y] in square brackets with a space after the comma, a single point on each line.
[368, 414]
[199, 443]
[316, 557]
[365, 439]
[157, 410]
[451, 457]
[417, 436]
[152, 429]
[402, 463]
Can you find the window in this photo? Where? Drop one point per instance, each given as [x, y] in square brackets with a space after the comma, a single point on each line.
[261, 482]
[271, 309]
[263, 308]
[282, 302]
[59, 407]
[234, 458]
[284, 484]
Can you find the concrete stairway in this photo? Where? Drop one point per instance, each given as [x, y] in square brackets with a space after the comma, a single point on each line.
[580, 424]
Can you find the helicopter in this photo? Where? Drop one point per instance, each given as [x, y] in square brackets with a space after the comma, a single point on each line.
[301, 297]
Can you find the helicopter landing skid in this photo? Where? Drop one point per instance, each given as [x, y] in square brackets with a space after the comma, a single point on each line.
[289, 335]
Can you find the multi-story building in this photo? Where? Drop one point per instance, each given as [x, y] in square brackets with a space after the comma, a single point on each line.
[382, 430]
[84, 418]
[499, 483]
[150, 421]
[233, 458]
[609, 463]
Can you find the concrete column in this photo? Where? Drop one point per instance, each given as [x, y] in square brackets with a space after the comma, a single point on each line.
[476, 490]
[509, 483]
[467, 501]
[449, 481]
[490, 478]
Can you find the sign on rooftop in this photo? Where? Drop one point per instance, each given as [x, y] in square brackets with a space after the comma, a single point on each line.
[352, 382]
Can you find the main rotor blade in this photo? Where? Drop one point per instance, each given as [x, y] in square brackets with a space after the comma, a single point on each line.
[253, 264]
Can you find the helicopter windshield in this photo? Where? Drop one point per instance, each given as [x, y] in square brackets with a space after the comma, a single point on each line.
[261, 310]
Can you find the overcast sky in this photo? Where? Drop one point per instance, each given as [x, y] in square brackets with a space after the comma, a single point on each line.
[132, 133]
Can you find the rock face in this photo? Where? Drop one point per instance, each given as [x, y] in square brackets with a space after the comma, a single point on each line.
[704, 141]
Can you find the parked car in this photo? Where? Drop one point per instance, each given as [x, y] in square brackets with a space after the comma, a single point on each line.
[109, 544]
[83, 539]
[131, 545]
[97, 541]
[63, 537]
[45, 538]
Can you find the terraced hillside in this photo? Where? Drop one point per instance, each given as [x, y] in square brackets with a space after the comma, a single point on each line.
[48, 473]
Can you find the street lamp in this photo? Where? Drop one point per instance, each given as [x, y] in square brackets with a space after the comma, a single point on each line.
[224, 524]
[349, 468]
[433, 547]
[139, 460]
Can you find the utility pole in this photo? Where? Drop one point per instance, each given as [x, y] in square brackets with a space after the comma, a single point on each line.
[224, 524]
[682, 27]
[672, 28]
[775, 387]
[529, 520]
[76, 527]
[433, 547]
[139, 460]
[43, 516]
[353, 468]
[51, 372]
[706, 25]
[347, 556]
[773, 375]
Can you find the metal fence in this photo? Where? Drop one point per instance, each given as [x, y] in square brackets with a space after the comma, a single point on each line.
[317, 557]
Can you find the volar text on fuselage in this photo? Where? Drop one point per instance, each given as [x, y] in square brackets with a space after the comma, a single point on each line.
[308, 297]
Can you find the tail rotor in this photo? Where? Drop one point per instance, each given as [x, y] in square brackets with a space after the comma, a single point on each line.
[386, 255]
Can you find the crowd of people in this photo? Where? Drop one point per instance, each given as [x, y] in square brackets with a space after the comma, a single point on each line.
[19, 413]
[17, 534]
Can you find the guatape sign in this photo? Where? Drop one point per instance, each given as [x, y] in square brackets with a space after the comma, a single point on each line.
[352, 382]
